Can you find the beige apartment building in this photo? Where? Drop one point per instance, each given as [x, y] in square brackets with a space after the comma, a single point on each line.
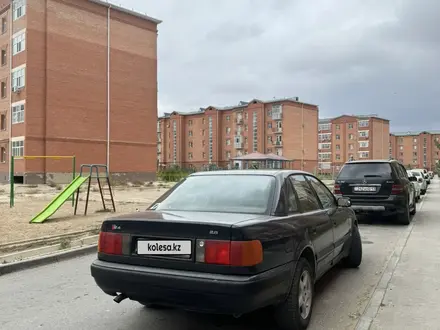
[415, 149]
[351, 137]
[215, 135]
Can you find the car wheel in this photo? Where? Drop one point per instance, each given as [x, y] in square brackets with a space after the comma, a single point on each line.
[414, 210]
[423, 191]
[404, 218]
[354, 258]
[295, 312]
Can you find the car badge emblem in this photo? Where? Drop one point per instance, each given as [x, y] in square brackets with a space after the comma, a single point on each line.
[365, 181]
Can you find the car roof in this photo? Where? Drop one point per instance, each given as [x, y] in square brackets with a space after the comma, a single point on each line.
[274, 172]
[373, 161]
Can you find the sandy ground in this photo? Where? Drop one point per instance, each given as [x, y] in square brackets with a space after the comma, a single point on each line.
[30, 200]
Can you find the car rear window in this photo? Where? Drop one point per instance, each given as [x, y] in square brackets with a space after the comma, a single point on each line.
[221, 193]
[362, 170]
[416, 173]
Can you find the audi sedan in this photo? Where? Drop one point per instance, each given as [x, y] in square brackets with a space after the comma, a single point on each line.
[230, 242]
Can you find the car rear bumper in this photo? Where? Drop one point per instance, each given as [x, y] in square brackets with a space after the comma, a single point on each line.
[202, 292]
[390, 205]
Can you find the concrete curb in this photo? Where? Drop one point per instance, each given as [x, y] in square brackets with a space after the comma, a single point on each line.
[378, 295]
[47, 259]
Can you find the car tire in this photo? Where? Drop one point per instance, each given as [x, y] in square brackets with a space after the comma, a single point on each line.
[422, 192]
[291, 315]
[414, 210]
[404, 218]
[354, 258]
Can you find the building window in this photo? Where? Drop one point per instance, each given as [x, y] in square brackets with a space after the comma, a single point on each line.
[228, 142]
[415, 140]
[18, 148]
[363, 123]
[415, 154]
[338, 137]
[3, 155]
[350, 126]
[4, 57]
[190, 144]
[363, 154]
[228, 154]
[3, 87]
[338, 126]
[18, 9]
[363, 133]
[324, 137]
[18, 78]
[18, 113]
[4, 25]
[190, 122]
[401, 147]
[324, 145]
[19, 43]
[228, 130]
[190, 155]
[324, 127]
[324, 155]
[350, 136]
[338, 157]
[3, 123]
[228, 118]
[203, 155]
[351, 146]
[415, 147]
[338, 147]
[255, 129]
[363, 144]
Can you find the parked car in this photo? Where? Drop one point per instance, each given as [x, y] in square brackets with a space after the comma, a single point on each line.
[431, 174]
[231, 242]
[425, 175]
[417, 185]
[378, 186]
[421, 180]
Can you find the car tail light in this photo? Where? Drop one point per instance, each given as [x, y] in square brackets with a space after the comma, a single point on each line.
[110, 243]
[230, 253]
[396, 189]
[337, 189]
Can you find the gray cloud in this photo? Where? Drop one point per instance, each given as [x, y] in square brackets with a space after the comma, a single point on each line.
[347, 56]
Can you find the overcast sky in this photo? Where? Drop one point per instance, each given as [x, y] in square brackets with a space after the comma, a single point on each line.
[347, 56]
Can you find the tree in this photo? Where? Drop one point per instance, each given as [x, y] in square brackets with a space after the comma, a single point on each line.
[437, 165]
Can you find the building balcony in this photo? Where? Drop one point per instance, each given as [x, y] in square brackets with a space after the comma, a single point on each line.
[239, 120]
[278, 144]
[277, 116]
[238, 145]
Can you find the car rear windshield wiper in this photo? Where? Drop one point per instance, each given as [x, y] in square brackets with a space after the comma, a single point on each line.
[372, 176]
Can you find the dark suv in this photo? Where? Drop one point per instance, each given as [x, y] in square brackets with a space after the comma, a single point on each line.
[379, 186]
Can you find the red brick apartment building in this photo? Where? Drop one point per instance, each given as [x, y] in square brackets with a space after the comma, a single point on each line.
[78, 77]
[214, 135]
[352, 137]
[415, 149]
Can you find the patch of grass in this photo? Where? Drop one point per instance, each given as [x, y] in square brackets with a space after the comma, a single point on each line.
[65, 243]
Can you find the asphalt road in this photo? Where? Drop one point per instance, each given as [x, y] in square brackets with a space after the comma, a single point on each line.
[64, 296]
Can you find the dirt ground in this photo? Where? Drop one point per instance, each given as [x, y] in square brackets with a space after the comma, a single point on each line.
[30, 200]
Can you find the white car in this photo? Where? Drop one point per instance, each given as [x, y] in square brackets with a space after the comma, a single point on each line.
[417, 185]
[421, 180]
[425, 174]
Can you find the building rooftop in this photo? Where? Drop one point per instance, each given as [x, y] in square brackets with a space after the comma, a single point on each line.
[241, 104]
[414, 133]
[122, 9]
[328, 120]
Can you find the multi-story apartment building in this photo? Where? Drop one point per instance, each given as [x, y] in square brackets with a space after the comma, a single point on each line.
[77, 77]
[215, 135]
[415, 149]
[351, 137]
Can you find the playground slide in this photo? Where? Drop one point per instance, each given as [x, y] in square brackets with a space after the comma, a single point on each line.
[59, 200]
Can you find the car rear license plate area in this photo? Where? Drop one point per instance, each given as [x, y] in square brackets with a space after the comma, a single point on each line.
[164, 248]
[364, 189]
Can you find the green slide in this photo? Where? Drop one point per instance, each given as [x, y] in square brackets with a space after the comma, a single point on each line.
[59, 200]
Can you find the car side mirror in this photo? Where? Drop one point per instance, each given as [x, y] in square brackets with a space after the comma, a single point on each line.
[344, 202]
[420, 180]
[412, 178]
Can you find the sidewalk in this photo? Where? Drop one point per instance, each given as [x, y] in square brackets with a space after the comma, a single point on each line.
[412, 295]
